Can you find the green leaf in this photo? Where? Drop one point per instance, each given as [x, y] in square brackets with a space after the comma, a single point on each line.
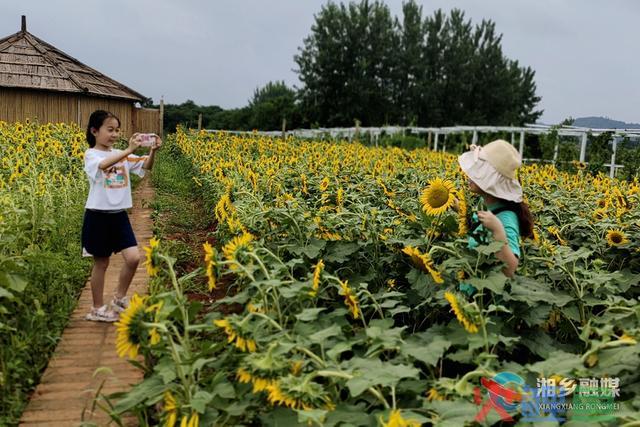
[148, 389]
[558, 363]
[340, 251]
[370, 372]
[313, 249]
[531, 291]
[452, 414]
[612, 361]
[349, 415]
[428, 353]
[494, 282]
[5, 294]
[200, 399]
[13, 281]
[338, 349]
[320, 336]
[166, 369]
[490, 249]
[309, 314]
[224, 390]
[310, 415]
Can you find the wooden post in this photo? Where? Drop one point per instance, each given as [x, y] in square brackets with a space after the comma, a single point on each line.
[555, 151]
[474, 138]
[284, 128]
[583, 148]
[521, 144]
[429, 141]
[199, 122]
[435, 145]
[357, 135]
[612, 166]
[161, 117]
[134, 119]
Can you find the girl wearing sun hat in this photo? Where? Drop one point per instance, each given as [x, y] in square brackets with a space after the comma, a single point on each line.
[491, 171]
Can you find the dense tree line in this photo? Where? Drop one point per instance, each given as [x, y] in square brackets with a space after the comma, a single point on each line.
[361, 63]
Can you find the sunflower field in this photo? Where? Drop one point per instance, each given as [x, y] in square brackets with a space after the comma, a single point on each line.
[341, 268]
[41, 272]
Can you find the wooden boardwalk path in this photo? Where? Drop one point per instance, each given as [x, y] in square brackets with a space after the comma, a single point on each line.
[68, 384]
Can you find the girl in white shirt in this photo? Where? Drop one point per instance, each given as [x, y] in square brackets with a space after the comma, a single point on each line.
[106, 228]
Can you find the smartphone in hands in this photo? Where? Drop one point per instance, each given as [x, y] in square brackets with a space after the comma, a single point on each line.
[147, 139]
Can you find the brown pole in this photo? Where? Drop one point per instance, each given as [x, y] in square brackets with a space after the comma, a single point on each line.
[284, 128]
[199, 121]
[162, 117]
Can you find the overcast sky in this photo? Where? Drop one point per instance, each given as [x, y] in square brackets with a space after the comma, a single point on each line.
[585, 52]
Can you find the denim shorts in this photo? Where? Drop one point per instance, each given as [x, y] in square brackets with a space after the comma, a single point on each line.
[105, 233]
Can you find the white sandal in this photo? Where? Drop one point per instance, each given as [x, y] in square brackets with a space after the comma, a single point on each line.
[102, 314]
[119, 304]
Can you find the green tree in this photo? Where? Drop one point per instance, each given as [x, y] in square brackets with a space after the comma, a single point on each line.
[272, 103]
[359, 63]
[348, 65]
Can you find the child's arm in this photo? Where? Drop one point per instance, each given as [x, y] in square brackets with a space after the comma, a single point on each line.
[134, 142]
[506, 255]
[148, 163]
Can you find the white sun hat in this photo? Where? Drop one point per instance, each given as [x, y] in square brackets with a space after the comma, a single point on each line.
[493, 168]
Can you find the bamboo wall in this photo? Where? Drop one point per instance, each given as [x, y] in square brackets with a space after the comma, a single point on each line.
[20, 104]
[146, 120]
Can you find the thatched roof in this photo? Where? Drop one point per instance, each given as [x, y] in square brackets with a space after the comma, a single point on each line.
[30, 63]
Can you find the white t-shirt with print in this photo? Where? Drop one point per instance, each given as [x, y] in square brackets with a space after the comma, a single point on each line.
[110, 189]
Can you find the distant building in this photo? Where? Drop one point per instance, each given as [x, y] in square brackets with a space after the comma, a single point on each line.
[38, 81]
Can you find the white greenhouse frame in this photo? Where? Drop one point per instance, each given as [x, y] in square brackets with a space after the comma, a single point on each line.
[375, 132]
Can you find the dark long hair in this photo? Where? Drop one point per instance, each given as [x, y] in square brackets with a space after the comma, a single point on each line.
[96, 120]
[525, 218]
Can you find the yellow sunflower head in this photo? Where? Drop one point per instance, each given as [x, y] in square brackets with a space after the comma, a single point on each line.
[616, 238]
[236, 246]
[151, 254]
[130, 329]
[396, 420]
[437, 197]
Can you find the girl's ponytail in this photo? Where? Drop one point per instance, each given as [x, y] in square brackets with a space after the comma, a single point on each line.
[525, 218]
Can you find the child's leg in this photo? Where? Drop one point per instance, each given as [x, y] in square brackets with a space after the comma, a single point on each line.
[131, 260]
[100, 265]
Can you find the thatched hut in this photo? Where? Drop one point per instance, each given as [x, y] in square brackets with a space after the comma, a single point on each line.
[38, 81]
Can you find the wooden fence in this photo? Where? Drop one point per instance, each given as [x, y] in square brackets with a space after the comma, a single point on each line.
[54, 107]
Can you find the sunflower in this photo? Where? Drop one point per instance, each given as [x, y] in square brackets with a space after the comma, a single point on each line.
[190, 421]
[130, 329]
[462, 318]
[349, 298]
[616, 238]
[170, 409]
[242, 343]
[396, 420]
[324, 184]
[423, 262]
[239, 243]
[433, 394]
[224, 208]
[151, 261]
[210, 263]
[555, 232]
[298, 393]
[340, 197]
[437, 197]
[462, 214]
[259, 383]
[316, 278]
